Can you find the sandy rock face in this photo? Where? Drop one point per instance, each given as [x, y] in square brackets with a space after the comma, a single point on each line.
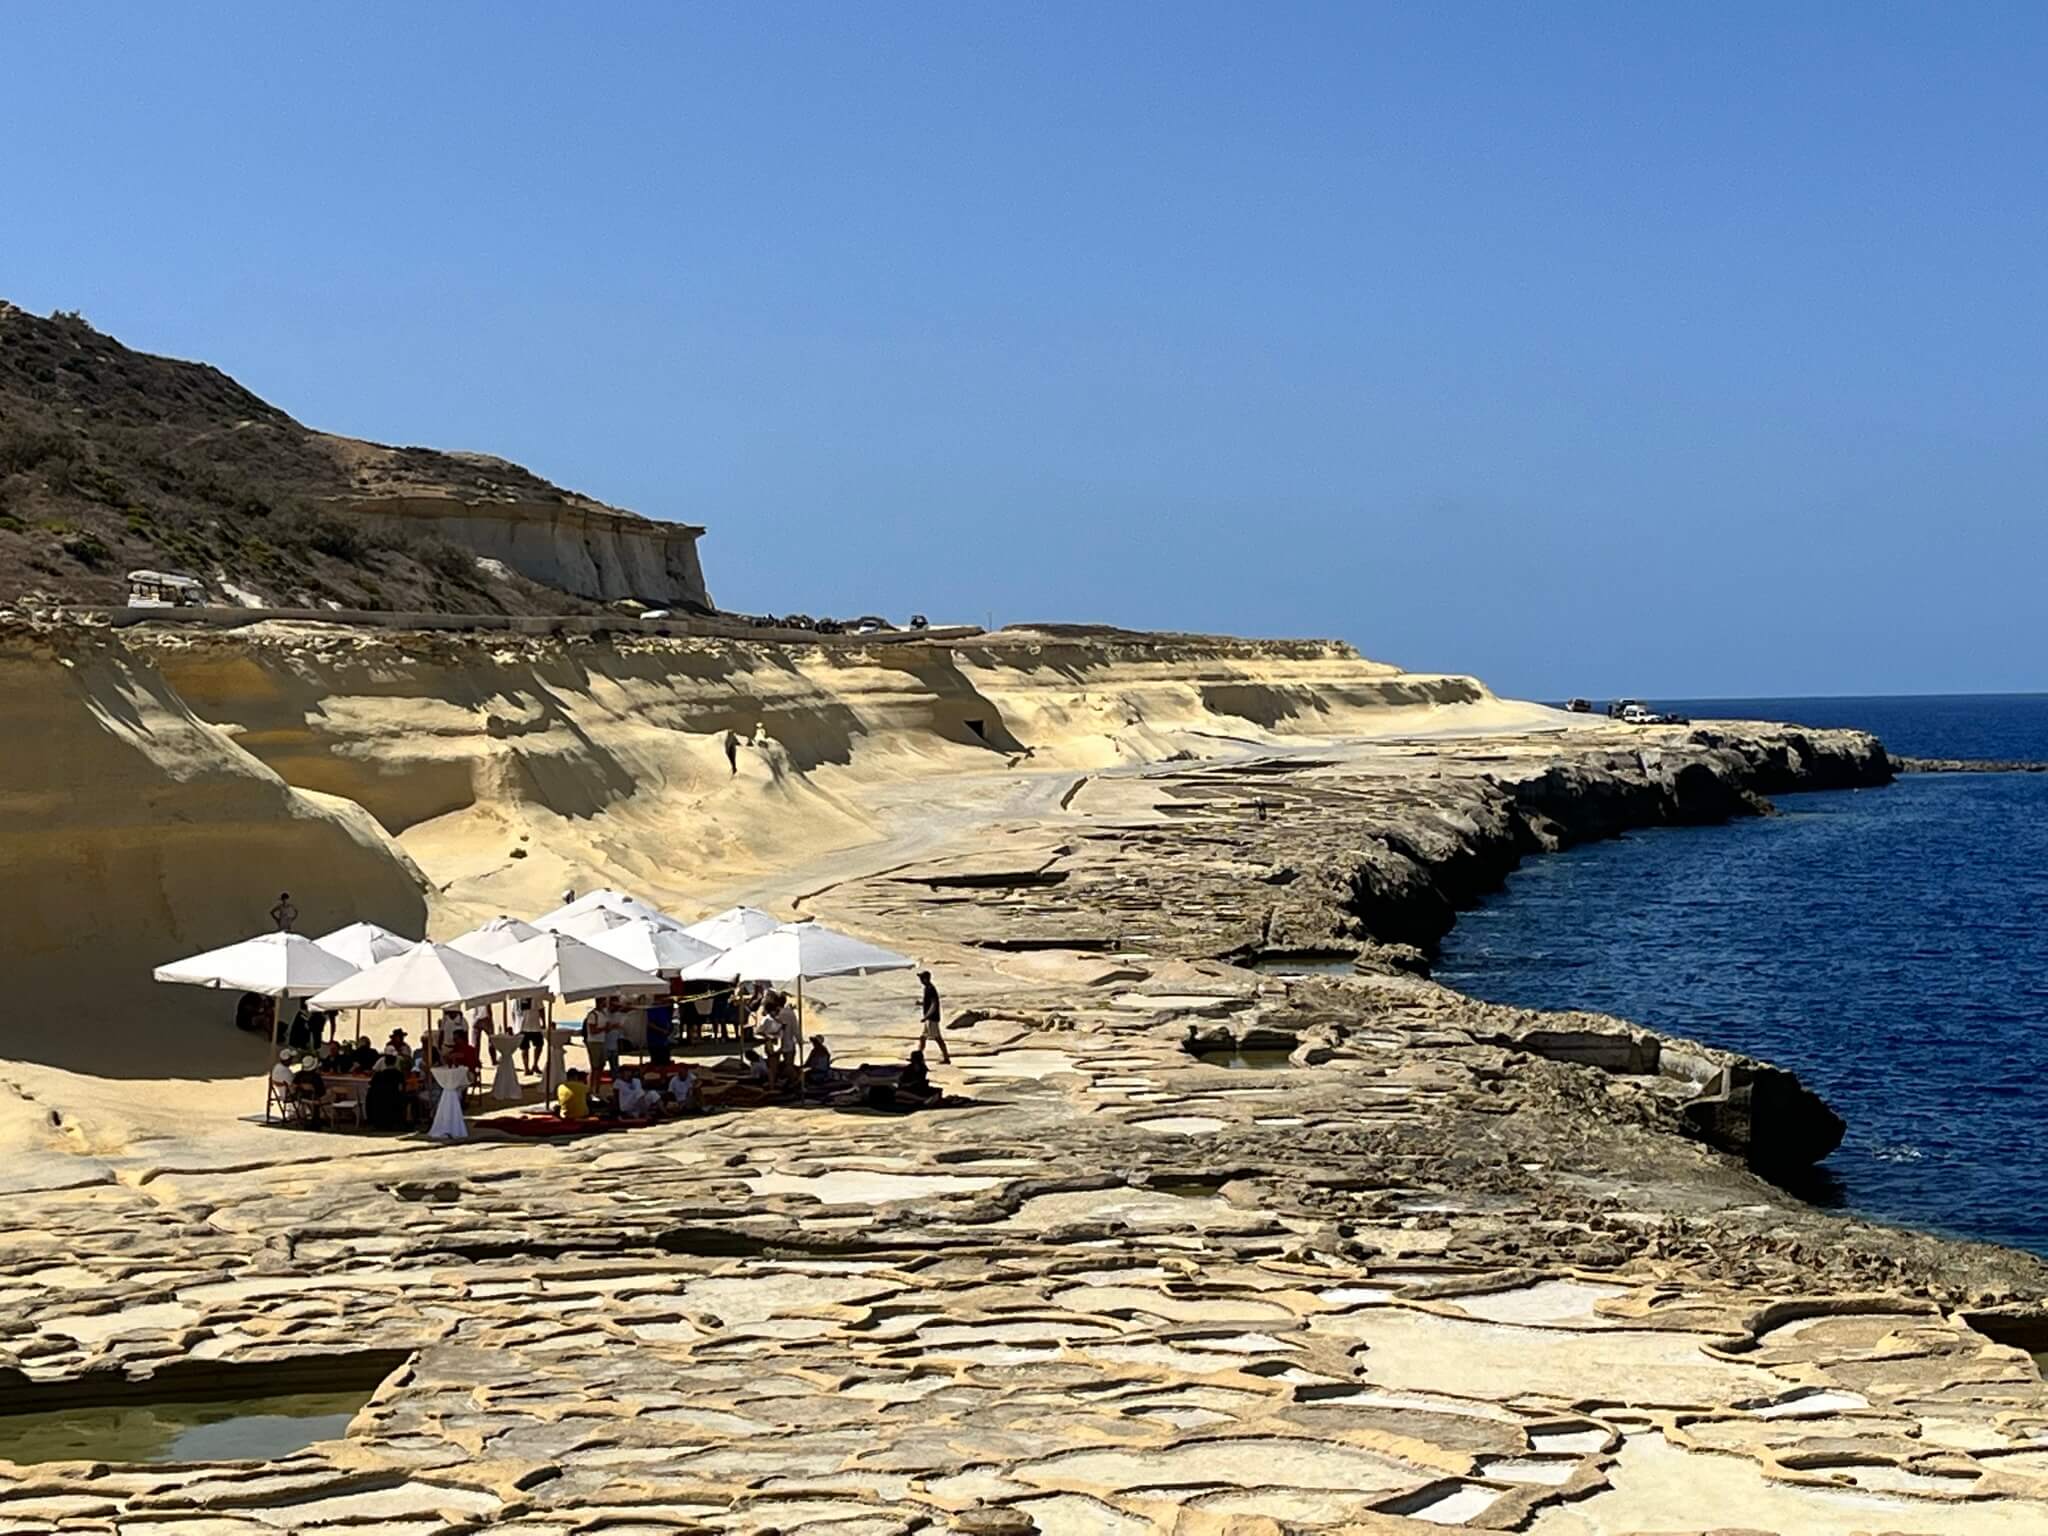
[135, 833]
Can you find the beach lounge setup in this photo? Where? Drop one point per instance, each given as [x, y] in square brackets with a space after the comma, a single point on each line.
[607, 945]
[273, 965]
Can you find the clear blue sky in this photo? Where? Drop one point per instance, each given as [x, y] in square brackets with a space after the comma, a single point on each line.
[1590, 348]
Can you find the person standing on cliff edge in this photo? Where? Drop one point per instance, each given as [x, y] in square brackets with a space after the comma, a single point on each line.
[928, 1008]
[284, 914]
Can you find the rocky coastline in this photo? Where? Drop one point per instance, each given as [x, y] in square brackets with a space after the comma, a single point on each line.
[1968, 765]
[1191, 1249]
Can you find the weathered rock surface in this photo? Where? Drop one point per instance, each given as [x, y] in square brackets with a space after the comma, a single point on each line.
[1444, 1263]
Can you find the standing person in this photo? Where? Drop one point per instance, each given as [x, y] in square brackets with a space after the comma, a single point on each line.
[660, 1023]
[526, 1019]
[384, 1098]
[614, 1034]
[928, 1009]
[595, 1024]
[284, 914]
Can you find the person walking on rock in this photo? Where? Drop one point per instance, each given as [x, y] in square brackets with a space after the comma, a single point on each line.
[928, 1008]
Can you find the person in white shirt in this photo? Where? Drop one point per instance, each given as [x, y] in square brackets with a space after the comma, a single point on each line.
[782, 1032]
[526, 1021]
[685, 1091]
[596, 1024]
[635, 1102]
[481, 1032]
[281, 1075]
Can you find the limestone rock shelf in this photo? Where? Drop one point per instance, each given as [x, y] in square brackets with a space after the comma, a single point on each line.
[1440, 1263]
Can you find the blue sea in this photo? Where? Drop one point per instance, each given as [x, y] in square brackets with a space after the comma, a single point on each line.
[1890, 945]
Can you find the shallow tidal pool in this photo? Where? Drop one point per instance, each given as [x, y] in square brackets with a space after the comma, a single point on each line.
[227, 1429]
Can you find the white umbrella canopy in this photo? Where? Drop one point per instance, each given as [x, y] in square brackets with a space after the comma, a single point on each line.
[648, 945]
[485, 940]
[274, 964]
[428, 976]
[801, 952]
[733, 927]
[570, 969]
[584, 925]
[362, 945]
[605, 900]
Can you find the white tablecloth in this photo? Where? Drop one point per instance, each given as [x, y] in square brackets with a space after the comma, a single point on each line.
[448, 1122]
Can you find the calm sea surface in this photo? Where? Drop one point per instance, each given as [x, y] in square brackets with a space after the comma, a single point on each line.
[1890, 945]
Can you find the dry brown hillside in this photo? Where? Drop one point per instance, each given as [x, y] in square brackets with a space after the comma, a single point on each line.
[112, 459]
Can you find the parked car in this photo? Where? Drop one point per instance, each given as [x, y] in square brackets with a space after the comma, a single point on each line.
[1635, 712]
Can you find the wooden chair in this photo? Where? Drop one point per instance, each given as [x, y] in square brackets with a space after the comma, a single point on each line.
[342, 1105]
[279, 1097]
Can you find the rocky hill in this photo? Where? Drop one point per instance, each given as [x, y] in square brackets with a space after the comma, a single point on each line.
[112, 459]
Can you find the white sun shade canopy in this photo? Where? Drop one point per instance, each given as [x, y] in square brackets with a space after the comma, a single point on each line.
[733, 927]
[274, 964]
[428, 976]
[605, 900]
[647, 945]
[799, 951]
[485, 940]
[571, 969]
[362, 945]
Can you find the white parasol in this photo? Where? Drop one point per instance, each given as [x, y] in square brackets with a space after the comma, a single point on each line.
[273, 964]
[428, 976]
[805, 952]
[485, 940]
[362, 945]
[606, 900]
[733, 927]
[647, 945]
[570, 969]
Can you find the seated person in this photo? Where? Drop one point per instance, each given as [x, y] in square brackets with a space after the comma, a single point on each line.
[685, 1092]
[752, 1086]
[363, 1058]
[281, 1075]
[572, 1099]
[310, 1089]
[330, 1057]
[638, 1098]
[398, 1046]
[818, 1065]
[914, 1083]
[461, 1053]
[384, 1099]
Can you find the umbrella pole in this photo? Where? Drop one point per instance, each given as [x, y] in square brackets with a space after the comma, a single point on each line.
[276, 1009]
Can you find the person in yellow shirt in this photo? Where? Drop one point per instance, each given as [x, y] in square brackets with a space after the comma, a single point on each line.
[572, 1099]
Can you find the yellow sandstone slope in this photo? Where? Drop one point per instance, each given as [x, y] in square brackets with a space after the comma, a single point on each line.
[163, 787]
